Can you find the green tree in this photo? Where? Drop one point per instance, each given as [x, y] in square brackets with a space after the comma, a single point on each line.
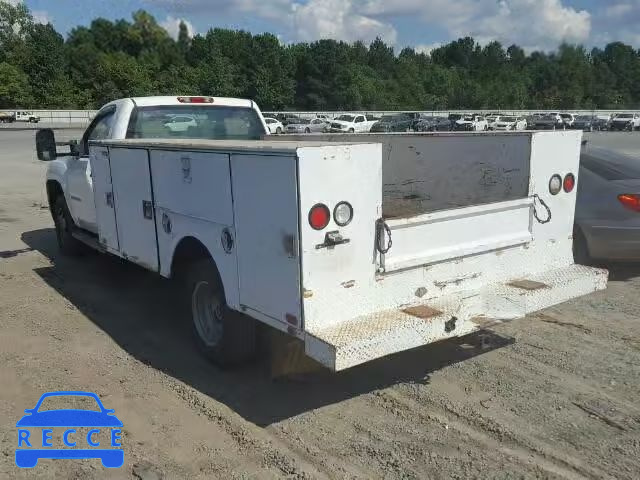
[14, 87]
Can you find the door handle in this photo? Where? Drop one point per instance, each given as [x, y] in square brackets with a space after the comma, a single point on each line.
[147, 209]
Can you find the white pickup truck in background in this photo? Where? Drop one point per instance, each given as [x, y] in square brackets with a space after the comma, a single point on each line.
[358, 246]
[351, 123]
[23, 116]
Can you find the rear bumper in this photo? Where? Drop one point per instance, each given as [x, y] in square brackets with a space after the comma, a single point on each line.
[614, 242]
[366, 338]
[621, 126]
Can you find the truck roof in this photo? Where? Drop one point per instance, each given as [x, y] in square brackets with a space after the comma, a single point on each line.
[173, 100]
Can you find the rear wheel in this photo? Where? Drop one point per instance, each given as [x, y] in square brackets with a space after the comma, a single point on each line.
[306, 130]
[64, 227]
[351, 130]
[225, 337]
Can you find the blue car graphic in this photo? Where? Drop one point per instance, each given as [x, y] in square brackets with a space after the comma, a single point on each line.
[111, 458]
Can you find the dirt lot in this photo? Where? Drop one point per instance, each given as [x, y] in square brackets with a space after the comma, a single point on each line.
[554, 395]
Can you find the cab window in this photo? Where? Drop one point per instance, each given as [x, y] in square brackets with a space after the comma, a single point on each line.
[100, 129]
[206, 122]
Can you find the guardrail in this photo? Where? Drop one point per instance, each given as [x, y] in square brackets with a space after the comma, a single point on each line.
[84, 117]
[69, 117]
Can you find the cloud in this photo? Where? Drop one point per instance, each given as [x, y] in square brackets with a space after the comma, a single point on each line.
[427, 48]
[617, 21]
[532, 24]
[41, 16]
[172, 26]
[339, 19]
[296, 20]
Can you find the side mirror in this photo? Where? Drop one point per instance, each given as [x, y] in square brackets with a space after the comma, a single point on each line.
[46, 145]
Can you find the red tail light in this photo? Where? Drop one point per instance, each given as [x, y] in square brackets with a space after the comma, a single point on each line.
[195, 99]
[569, 182]
[319, 216]
[630, 201]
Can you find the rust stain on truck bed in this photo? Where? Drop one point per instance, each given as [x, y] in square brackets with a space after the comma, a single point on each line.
[422, 311]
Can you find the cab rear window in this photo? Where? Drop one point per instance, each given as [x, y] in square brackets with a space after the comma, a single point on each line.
[195, 121]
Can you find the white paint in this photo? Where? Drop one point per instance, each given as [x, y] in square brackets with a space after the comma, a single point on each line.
[103, 199]
[131, 184]
[351, 298]
[457, 233]
[266, 219]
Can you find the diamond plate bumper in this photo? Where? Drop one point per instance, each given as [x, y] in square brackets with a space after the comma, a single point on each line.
[368, 337]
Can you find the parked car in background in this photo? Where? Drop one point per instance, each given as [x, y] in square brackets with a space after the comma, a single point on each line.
[7, 117]
[509, 122]
[401, 122]
[432, 124]
[292, 119]
[24, 116]
[471, 123]
[584, 122]
[180, 123]
[352, 123]
[601, 122]
[453, 118]
[607, 219]
[273, 125]
[550, 121]
[625, 121]
[314, 125]
[568, 119]
[492, 119]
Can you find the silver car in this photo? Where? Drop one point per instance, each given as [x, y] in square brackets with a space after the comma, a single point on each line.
[308, 126]
[607, 222]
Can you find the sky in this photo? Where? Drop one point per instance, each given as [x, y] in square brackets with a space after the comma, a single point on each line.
[422, 24]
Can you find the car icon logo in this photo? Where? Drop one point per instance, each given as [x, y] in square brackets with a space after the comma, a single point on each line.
[79, 433]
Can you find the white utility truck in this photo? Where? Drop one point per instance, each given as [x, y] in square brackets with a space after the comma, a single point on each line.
[358, 245]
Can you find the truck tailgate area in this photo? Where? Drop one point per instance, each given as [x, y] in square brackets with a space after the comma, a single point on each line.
[385, 332]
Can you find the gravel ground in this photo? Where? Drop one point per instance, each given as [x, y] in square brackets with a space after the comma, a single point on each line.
[554, 395]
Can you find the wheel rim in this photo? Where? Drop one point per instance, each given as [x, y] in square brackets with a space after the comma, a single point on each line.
[207, 312]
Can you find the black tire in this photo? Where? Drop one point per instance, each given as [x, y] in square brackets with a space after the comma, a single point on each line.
[67, 244]
[306, 130]
[580, 248]
[278, 131]
[352, 130]
[234, 341]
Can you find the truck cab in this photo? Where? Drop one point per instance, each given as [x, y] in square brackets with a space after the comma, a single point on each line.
[69, 178]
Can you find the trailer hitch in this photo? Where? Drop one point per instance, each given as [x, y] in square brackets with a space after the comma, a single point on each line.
[331, 239]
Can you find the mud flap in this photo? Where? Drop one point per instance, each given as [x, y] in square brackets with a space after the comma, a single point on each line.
[289, 360]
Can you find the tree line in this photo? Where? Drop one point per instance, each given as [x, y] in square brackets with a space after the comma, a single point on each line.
[39, 68]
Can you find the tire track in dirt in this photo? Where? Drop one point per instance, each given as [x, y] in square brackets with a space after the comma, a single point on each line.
[484, 432]
[248, 439]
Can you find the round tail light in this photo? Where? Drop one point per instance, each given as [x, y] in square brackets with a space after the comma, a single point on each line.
[343, 213]
[569, 182]
[555, 184]
[319, 216]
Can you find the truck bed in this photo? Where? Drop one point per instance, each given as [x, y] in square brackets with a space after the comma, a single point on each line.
[425, 173]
